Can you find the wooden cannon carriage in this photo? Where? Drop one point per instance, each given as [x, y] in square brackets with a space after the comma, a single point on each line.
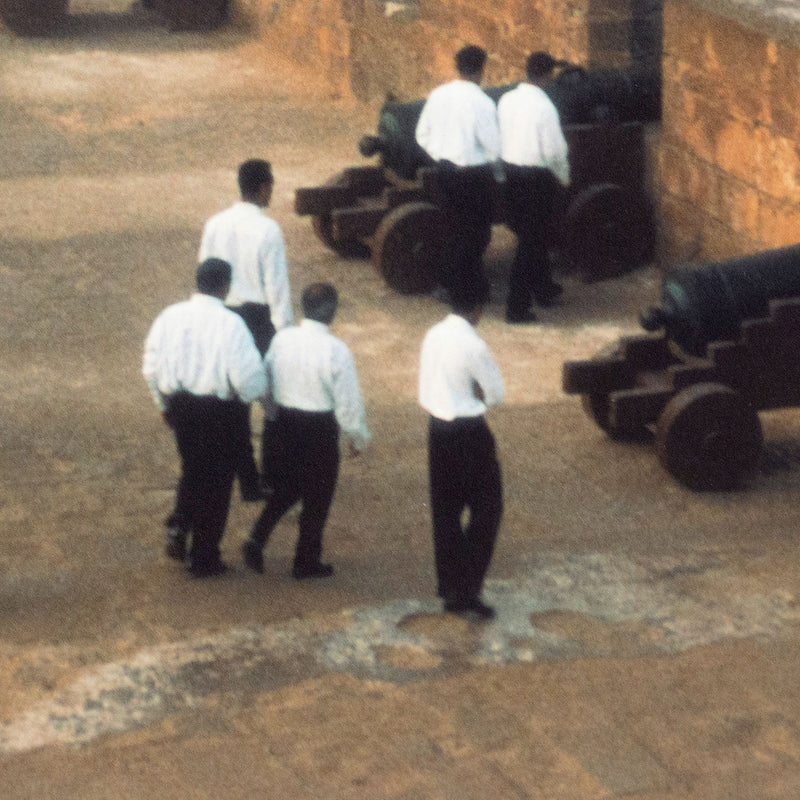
[729, 347]
[389, 211]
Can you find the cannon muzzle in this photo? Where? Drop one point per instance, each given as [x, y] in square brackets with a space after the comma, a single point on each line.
[707, 303]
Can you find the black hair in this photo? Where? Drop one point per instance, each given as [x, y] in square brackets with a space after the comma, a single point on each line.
[539, 65]
[470, 60]
[320, 301]
[253, 174]
[466, 299]
[213, 275]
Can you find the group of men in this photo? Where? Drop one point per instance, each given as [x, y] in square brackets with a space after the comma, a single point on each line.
[233, 343]
[478, 145]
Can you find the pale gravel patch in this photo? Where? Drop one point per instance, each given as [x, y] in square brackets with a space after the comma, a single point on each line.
[408, 640]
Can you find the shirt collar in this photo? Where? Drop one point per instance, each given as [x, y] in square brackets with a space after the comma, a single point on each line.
[457, 319]
[313, 324]
[248, 204]
[200, 297]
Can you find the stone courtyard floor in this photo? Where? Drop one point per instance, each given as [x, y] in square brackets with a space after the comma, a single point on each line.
[646, 643]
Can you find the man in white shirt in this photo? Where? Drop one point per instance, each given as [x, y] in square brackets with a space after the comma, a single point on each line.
[458, 130]
[458, 382]
[314, 394]
[535, 157]
[252, 243]
[200, 363]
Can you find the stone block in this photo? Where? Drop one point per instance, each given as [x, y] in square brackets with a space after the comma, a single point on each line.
[779, 223]
[737, 149]
[703, 122]
[779, 168]
[684, 33]
[739, 206]
[782, 91]
[720, 242]
[680, 231]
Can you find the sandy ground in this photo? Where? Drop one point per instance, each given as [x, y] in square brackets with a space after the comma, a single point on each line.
[647, 637]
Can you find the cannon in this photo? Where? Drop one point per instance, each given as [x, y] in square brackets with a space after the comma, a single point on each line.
[390, 212]
[722, 345]
[41, 17]
[33, 17]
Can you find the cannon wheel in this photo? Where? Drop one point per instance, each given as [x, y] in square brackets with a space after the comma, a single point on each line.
[709, 437]
[597, 407]
[606, 231]
[33, 17]
[323, 228]
[407, 248]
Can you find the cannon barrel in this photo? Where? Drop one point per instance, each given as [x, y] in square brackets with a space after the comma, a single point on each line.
[580, 96]
[707, 303]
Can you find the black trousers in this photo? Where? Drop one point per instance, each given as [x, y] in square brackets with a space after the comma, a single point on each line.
[464, 474]
[531, 196]
[304, 454]
[259, 322]
[204, 429]
[467, 199]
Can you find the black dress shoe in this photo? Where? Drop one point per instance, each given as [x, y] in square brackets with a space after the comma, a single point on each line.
[253, 557]
[477, 606]
[520, 317]
[456, 606]
[176, 543]
[469, 607]
[318, 570]
[204, 570]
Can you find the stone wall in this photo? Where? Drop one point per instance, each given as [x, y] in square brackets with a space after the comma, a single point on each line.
[729, 161]
[372, 48]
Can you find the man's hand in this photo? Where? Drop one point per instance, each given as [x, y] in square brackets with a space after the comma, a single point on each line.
[354, 451]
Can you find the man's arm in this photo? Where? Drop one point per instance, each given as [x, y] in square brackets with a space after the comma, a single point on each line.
[349, 407]
[554, 146]
[247, 375]
[487, 382]
[275, 278]
[424, 127]
[150, 363]
[488, 129]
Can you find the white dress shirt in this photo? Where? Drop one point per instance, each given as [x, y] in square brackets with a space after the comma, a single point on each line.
[453, 358]
[530, 131]
[252, 244]
[459, 123]
[309, 369]
[201, 347]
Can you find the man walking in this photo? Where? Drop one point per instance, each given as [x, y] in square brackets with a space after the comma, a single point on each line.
[535, 157]
[458, 382]
[200, 364]
[314, 389]
[252, 243]
[459, 131]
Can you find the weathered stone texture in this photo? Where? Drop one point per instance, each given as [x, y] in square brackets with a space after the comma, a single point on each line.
[729, 165]
[371, 48]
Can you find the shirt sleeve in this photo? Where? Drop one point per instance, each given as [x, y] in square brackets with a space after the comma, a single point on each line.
[488, 130]
[487, 375]
[554, 147]
[275, 277]
[150, 364]
[423, 130]
[246, 373]
[348, 405]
